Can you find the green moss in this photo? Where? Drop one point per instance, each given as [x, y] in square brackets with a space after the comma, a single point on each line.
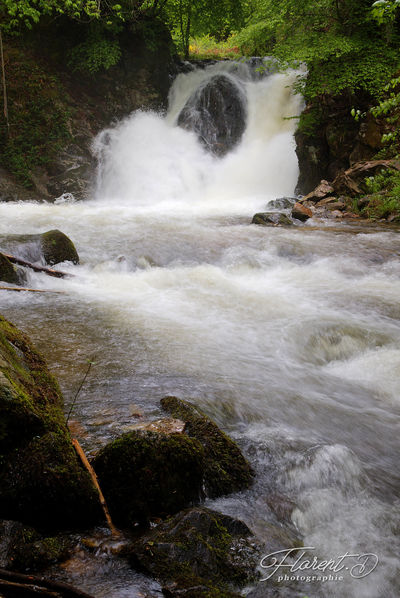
[198, 550]
[57, 248]
[146, 474]
[226, 470]
[41, 479]
[8, 273]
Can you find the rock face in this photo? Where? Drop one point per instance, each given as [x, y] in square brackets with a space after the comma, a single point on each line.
[331, 140]
[41, 480]
[216, 112]
[198, 552]
[147, 474]
[271, 219]
[225, 468]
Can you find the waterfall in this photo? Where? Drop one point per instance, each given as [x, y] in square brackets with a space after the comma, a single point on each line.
[149, 160]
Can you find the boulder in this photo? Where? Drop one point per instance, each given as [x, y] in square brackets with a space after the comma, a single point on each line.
[23, 549]
[51, 247]
[42, 482]
[271, 219]
[225, 468]
[216, 112]
[146, 474]
[58, 248]
[282, 203]
[198, 552]
[301, 212]
[8, 273]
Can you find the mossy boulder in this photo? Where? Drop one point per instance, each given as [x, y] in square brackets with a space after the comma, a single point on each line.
[51, 247]
[24, 549]
[147, 474]
[225, 468]
[42, 482]
[8, 273]
[198, 552]
[58, 248]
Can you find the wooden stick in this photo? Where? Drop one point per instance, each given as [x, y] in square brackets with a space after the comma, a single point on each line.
[27, 581]
[93, 475]
[19, 289]
[49, 271]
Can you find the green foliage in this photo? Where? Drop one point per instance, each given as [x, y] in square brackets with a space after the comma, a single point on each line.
[38, 117]
[96, 52]
[384, 189]
[344, 47]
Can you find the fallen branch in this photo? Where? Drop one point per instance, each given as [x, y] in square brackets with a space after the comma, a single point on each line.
[19, 585]
[19, 289]
[49, 271]
[95, 481]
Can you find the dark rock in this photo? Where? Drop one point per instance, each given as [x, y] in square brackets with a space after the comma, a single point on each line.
[146, 474]
[42, 482]
[301, 212]
[225, 468]
[271, 219]
[58, 248]
[199, 552]
[282, 203]
[23, 549]
[216, 112]
[8, 273]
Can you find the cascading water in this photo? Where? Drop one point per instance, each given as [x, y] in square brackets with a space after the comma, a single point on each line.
[289, 338]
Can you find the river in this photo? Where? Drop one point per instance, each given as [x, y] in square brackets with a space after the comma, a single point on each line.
[288, 337]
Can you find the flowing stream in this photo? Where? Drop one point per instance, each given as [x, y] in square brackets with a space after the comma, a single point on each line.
[288, 337]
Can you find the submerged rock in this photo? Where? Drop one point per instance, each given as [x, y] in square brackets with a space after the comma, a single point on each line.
[216, 112]
[145, 474]
[199, 552]
[42, 482]
[272, 219]
[225, 468]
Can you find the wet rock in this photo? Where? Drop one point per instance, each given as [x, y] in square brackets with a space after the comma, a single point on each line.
[282, 203]
[8, 273]
[51, 247]
[225, 468]
[271, 219]
[320, 192]
[301, 212]
[167, 425]
[24, 549]
[147, 474]
[42, 482]
[199, 552]
[58, 248]
[216, 112]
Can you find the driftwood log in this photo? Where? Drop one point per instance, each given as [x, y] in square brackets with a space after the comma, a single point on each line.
[44, 269]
